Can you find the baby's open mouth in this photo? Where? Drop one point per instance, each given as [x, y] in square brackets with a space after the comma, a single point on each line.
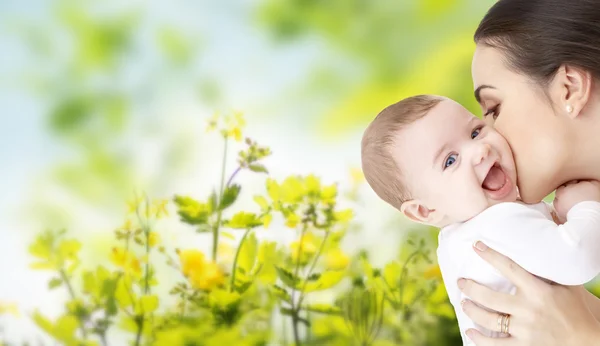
[496, 179]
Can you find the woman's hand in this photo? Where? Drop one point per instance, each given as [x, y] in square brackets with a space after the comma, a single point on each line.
[540, 313]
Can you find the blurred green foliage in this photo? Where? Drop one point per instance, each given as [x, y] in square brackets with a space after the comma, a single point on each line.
[214, 301]
[401, 48]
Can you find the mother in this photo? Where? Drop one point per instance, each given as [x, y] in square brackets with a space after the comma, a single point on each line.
[536, 72]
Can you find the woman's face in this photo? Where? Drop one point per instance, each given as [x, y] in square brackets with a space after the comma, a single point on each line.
[518, 108]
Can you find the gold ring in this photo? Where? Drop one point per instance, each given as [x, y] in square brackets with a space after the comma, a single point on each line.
[505, 324]
[500, 323]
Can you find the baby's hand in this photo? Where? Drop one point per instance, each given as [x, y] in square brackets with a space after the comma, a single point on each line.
[574, 192]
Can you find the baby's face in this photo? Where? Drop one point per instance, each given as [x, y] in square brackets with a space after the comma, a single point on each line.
[454, 164]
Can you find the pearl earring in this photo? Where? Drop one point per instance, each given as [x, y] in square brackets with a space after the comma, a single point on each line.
[569, 108]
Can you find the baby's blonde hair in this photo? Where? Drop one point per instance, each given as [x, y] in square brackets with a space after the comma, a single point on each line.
[381, 170]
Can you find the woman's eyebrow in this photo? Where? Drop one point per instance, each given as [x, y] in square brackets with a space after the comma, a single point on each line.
[478, 91]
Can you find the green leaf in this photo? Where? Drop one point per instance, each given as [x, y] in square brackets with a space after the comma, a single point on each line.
[281, 293]
[89, 283]
[248, 252]
[123, 294]
[325, 281]
[262, 202]
[304, 321]
[204, 228]
[111, 307]
[241, 288]
[212, 201]
[286, 311]
[287, 277]
[42, 322]
[65, 327]
[228, 235]
[230, 195]
[391, 273]
[191, 211]
[243, 220]
[268, 258]
[258, 168]
[54, 283]
[323, 309]
[148, 304]
[314, 277]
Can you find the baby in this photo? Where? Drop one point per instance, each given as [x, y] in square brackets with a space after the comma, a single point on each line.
[439, 165]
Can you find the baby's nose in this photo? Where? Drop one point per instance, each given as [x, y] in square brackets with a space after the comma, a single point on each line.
[482, 153]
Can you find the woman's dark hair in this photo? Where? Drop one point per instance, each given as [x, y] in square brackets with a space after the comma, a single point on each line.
[538, 36]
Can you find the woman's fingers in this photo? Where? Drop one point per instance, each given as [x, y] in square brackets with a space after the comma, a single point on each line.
[487, 319]
[512, 271]
[487, 297]
[482, 340]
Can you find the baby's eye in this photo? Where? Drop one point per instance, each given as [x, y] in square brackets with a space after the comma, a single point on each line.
[450, 160]
[475, 133]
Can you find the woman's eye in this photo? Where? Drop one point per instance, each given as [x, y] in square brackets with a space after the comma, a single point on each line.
[450, 160]
[493, 112]
[475, 132]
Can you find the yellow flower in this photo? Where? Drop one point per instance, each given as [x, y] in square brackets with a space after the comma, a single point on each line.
[153, 239]
[239, 119]
[292, 220]
[126, 261]
[344, 216]
[236, 133]
[433, 272]
[313, 184]
[209, 277]
[191, 260]
[133, 204]
[202, 274]
[160, 208]
[328, 194]
[267, 220]
[127, 226]
[304, 248]
[336, 259]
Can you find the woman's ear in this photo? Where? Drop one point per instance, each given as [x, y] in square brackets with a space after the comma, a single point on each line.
[416, 211]
[572, 87]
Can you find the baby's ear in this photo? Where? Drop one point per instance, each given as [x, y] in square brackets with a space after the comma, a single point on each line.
[416, 211]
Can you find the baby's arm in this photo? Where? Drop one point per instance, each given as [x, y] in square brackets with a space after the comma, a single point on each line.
[567, 254]
[568, 195]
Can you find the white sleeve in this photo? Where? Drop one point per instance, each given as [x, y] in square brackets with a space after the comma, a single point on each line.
[568, 254]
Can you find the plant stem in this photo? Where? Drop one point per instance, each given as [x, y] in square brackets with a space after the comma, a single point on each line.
[237, 170]
[140, 324]
[218, 224]
[312, 267]
[295, 325]
[235, 260]
[67, 282]
[404, 270]
[295, 309]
